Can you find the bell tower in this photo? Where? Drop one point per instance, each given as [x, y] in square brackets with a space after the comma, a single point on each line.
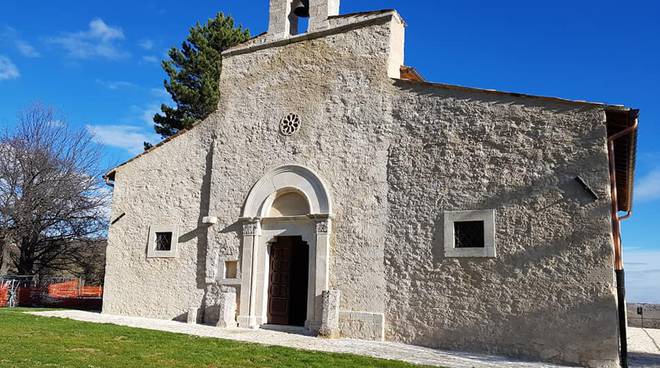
[285, 14]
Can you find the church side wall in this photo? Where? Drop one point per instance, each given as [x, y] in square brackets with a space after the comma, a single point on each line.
[165, 187]
[549, 293]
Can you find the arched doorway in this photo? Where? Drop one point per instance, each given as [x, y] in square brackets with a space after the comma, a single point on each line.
[287, 213]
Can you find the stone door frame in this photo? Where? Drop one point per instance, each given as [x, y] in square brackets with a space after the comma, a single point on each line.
[260, 230]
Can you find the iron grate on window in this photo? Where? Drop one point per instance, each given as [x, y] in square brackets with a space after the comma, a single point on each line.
[469, 234]
[164, 241]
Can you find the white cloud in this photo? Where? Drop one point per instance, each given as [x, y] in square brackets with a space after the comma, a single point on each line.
[150, 59]
[642, 274]
[98, 29]
[128, 137]
[648, 187]
[27, 49]
[8, 69]
[146, 113]
[115, 85]
[159, 92]
[147, 44]
[11, 35]
[100, 40]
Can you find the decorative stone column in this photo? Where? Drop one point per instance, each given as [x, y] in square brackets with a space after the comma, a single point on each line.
[323, 254]
[249, 262]
[319, 271]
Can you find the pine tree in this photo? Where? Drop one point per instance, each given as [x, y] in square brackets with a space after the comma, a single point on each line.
[194, 73]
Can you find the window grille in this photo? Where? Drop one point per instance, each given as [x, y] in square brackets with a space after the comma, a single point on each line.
[164, 242]
[469, 234]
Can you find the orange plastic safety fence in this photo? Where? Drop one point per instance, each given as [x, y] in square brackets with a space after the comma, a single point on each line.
[68, 289]
[4, 296]
[91, 291]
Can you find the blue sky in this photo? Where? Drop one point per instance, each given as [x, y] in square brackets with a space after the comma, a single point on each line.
[98, 63]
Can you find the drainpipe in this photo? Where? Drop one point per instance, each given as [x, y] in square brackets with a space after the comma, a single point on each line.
[618, 251]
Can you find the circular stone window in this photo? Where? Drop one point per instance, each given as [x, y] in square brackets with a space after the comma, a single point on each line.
[290, 124]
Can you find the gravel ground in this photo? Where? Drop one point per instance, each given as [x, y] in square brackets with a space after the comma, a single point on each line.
[644, 348]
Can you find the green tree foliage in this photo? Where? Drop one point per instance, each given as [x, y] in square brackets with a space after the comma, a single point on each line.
[194, 73]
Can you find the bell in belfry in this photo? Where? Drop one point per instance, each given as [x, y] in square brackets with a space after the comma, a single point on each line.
[301, 8]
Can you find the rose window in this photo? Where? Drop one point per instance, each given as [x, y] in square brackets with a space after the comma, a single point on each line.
[290, 124]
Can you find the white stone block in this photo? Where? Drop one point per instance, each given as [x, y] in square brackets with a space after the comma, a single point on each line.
[192, 316]
[210, 220]
[330, 314]
[227, 310]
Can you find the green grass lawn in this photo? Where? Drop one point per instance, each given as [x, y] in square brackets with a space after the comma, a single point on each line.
[30, 341]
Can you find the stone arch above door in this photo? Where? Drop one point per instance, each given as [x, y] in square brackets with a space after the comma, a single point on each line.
[286, 178]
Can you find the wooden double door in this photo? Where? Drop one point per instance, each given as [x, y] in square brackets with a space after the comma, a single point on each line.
[288, 281]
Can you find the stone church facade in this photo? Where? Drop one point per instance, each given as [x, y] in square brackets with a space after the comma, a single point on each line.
[336, 190]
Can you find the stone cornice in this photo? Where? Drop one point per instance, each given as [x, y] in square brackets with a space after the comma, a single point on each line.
[251, 46]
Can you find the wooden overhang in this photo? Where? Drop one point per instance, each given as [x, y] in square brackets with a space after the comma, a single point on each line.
[625, 148]
[411, 74]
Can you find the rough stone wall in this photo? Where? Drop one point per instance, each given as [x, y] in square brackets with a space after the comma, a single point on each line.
[167, 186]
[549, 293]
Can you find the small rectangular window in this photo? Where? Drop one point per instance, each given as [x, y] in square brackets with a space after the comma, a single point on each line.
[229, 273]
[469, 234]
[231, 269]
[164, 242]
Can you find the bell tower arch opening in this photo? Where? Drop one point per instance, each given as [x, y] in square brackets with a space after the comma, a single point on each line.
[289, 18]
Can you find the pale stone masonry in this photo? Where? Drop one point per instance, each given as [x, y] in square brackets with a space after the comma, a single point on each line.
[443, 216]
[330, 317]
[282, 23]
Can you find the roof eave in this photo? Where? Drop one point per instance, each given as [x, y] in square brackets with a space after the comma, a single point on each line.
[454, 87]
